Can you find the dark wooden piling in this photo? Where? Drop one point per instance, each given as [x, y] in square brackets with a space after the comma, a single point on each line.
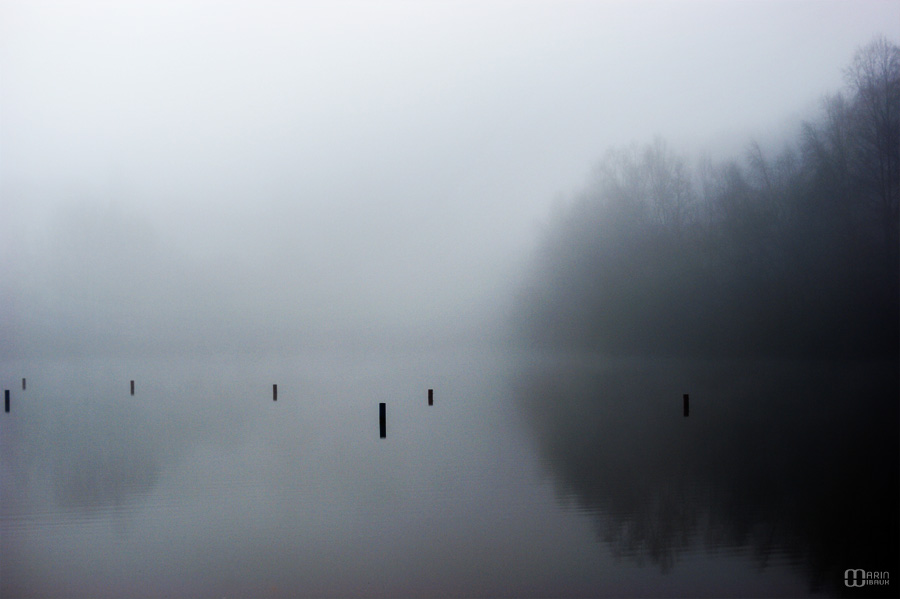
[132, 387]
[687, 404]
[382, 419]
[274, 392]
[23, 384]
[6, 400]
[431, 397]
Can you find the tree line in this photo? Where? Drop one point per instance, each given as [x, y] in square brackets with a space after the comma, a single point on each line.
[794, 253]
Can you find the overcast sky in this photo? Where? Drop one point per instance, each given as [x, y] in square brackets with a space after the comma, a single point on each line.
[353, 163]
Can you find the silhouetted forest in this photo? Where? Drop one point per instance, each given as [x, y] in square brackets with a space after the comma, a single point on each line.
[794, 253]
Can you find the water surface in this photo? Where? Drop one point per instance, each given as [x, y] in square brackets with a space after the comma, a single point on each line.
[529, 476]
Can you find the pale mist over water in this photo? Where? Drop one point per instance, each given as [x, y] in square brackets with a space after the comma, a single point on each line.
[561, 218]
[201, 485]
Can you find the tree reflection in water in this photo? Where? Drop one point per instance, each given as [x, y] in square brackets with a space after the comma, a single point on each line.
[790, 459]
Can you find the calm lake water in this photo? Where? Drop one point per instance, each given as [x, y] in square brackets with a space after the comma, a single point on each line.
[531, 475]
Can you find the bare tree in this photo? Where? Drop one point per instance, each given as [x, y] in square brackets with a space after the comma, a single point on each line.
[669, 186]
[874, 77]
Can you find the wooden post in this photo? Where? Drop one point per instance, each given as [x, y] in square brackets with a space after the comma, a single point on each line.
[6, 400]
[382, 419]
[274, 392]
[687, 405]
[132, 387]
[23, 384]
[431, 397]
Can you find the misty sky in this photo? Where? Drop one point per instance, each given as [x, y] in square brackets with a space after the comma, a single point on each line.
[358, 163]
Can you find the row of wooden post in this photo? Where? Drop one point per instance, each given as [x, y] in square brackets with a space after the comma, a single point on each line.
[382, 408]
[382, 414]
[274, 396]
[6, 397]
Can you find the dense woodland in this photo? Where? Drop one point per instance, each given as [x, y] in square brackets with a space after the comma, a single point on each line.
[790, 253]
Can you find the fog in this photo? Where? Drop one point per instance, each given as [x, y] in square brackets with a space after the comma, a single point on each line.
[218, 177]
[558, 216]
[201, 485]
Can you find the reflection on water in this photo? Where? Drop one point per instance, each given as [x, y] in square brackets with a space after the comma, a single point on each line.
[201, 485]
[789, 459]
